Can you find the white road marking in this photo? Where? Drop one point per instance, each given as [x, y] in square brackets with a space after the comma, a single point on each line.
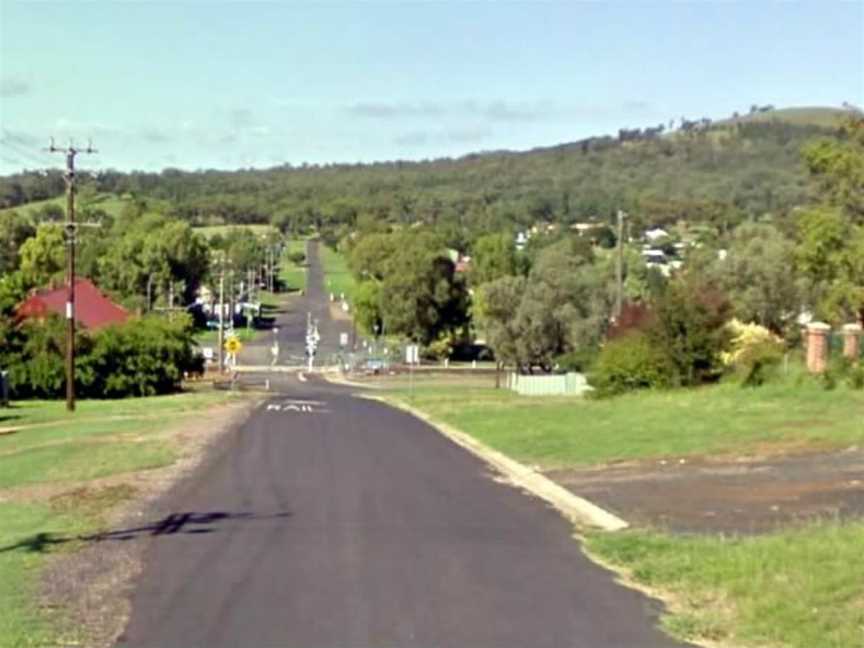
[299, 407]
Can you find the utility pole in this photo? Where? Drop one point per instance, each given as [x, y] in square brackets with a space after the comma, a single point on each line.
[71, 228]
[221, 317]
[619, 266]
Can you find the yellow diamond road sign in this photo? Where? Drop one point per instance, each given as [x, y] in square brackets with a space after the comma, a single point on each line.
[233, 345]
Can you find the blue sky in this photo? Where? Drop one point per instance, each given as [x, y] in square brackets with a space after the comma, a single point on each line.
[209, 84]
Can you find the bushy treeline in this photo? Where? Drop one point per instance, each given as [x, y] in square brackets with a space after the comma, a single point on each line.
[721, 175]
[552, 303]
[142, 357]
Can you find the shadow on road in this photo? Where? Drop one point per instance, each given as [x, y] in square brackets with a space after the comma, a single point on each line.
[173, 524]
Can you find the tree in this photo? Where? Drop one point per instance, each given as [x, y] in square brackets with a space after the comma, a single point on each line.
[494, 307]
[562, 307]
[421, 297]
[838, 168]
[829, 255]
[689, 328]
[15, 229]
[757, 274]
[43, 256]
[369, 257]
[367, 306]
[493, 256]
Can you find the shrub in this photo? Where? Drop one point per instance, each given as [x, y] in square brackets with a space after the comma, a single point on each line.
[142, 357]
[631, 362]
[581, 359]
[754, 352]
[37, 370]
[689, 328]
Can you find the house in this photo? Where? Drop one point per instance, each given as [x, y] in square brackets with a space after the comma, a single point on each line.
[656, 234]
[93, 310]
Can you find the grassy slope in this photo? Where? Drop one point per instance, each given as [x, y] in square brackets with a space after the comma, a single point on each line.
[337, 277]
[110, 203]
[799, 116]
[293, 276]
[103, 438]
[212, 230]
[801, 588]
[557, 432]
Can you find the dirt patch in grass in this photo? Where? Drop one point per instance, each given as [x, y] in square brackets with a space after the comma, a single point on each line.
[744, 495]
[89, 588]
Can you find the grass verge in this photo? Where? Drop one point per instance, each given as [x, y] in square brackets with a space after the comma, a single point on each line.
[292, 275]
[337, 278]
[802, 588]
[43, 445]
[558, 432]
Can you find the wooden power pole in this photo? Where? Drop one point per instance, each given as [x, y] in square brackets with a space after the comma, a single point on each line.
[71, 230]
[619, 267]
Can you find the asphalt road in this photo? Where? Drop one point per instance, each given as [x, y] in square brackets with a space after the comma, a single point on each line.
[329, 520]
[292, 323]
[332, 521]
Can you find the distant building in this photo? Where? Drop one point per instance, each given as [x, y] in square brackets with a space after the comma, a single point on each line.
[521, 240]
[656, 233]
[93, 310]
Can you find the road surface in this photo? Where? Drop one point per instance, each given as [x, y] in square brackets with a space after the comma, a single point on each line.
[330, 520]
[291, 323]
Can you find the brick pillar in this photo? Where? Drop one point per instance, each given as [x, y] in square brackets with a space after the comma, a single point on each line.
[817, 347]
[852, 341]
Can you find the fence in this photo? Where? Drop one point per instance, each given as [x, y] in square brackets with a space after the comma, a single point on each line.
[554, 385]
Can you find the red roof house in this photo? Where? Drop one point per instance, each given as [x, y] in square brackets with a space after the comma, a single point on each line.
[93, 310]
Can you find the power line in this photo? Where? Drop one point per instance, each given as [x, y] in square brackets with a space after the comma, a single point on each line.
[71, 229]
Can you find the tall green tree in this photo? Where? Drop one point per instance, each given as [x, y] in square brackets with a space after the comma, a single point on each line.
[758, 275]
[43, 256]
[492, 257]
[15, 229]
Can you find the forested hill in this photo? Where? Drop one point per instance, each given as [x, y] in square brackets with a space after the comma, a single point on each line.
[719, 173]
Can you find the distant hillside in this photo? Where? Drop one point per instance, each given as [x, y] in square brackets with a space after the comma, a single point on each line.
[802, 116]
[713, 172]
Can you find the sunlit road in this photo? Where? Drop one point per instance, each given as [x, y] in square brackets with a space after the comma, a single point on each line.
[332, 521]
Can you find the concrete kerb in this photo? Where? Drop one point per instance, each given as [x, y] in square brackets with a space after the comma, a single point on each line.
[336, 378]
[576, 509]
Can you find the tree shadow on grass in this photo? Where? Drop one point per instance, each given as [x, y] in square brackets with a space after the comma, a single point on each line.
[173, 524]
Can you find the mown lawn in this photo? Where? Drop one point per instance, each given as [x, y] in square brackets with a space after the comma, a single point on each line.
[571, 431]
[337, 278]
[40, 443]
[211, 230]
[801, 588]
[293, 276]
[797, 588]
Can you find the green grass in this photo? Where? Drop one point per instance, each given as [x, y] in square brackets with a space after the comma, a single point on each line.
[212, 230]
[112, 204]
[210, 337]
[570, 431]
[292, 276]
[799, 116]
[802, 588]
[102, 438]
[337, 278]
[20, 623]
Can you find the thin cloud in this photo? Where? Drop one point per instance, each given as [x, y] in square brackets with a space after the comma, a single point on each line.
[501, 111]
[384, 110]
[413, 139]
[10, 87]
[494, 111]
[155, 136]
